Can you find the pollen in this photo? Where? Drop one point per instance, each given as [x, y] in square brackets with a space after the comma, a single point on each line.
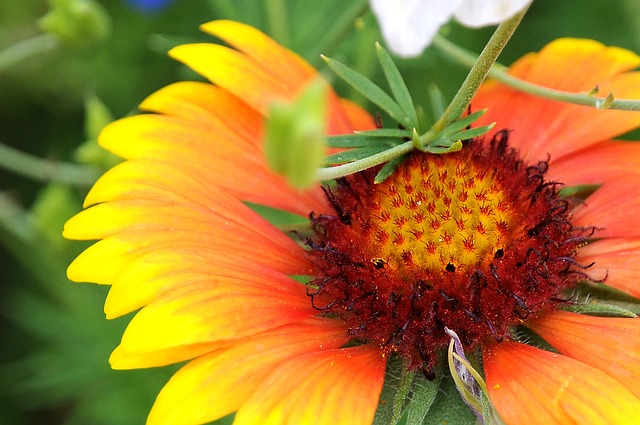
[474, 241]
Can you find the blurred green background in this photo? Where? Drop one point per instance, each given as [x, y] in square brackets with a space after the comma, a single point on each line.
[56, 94]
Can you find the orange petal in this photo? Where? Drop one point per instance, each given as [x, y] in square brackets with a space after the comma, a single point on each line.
[542, 126]
[217, 384]
[336, 387]
[526, 383]
[616, 261]
[598, 164]
[211, 311]
[612, 209]
[609, 344]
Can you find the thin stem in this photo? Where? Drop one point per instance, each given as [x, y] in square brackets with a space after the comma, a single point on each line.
[277, 19]
[46, 170]
[498, 72]
[330, 173]
[479, 71]
[25, 49]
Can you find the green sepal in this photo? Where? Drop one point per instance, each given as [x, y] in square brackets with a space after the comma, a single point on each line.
[605, 308]
[398, 87]
[443, 149]
[384, 413]
[354, 154]
[388, 169]
[369, 90]
[423, 394]
[295, 135]
[448, 407]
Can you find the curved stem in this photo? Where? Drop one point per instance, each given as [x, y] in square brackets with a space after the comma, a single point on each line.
[499, 72]
[46, 170]
[25, 49]
[329, 173]
[479, 71]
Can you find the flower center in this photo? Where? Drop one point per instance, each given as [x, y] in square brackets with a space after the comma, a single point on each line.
[474, 241]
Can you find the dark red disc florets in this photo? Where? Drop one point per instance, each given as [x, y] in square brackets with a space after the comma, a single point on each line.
[475, 241]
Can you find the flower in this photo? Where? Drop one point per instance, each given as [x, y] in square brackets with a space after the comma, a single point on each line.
[214, 281]
[408, 26]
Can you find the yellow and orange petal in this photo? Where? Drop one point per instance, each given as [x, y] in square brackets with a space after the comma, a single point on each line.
[547, 127]
[606, 343]
[219, 383]
[339, 386]
[528, 384]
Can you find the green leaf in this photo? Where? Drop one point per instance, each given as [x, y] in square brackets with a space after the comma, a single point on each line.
[397, 85]
[463, 123]
[422, 397]
[370, 90]
[388, 169]
[353, 155]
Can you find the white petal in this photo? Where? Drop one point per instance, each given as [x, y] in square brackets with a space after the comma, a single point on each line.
[408, 26]
[479, 13]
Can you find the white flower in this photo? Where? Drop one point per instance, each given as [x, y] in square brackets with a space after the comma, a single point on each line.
[408, 26]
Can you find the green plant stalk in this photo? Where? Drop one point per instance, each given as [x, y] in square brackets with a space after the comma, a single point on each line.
[25, 49]
[478, 72]
[499, 72]
[46, 170]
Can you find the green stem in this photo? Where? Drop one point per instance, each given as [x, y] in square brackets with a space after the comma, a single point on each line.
[499, 72]
[277, 20]
[25, 49]
[46, 170]
[330, 173]
[479, 72]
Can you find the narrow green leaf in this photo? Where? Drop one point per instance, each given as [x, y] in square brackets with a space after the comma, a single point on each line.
[388, 169]
[386, 132]
[401, 397]
[397, 85]
[422, 397]
[442, 149]
[353, 155]
[370, 90]
[463, 135]
[356, 141]
[463, 123]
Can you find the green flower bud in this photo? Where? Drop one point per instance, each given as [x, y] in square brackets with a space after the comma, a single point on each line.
[76, 22]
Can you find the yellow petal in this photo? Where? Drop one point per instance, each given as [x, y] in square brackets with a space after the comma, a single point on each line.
[201, 313]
